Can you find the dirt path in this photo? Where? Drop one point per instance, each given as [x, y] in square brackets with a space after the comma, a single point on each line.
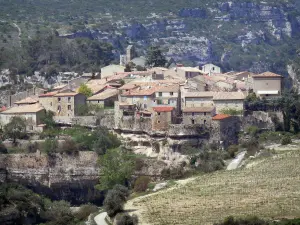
[20, 33]
[132, 207]
[100, 219]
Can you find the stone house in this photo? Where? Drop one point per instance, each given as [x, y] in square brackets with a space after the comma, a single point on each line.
[211, 68]
[68, 103]
[182, 72]
[228, 100]
[198, 115]
[224, 129]
[110, 70]
[47, 100]
[27, 101]
[105, 98]
[142, 98]
[167, 95]
[197, 99]
[33, 113]
[267, 84]
[162, 117]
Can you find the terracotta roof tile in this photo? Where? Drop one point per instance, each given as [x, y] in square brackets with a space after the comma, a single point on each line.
[221, 117]
[229, 96]
[33, 108]
[163, 108]
[63, 94]
[104, 95]
[267, 74]
[28, 100]
[49, 94]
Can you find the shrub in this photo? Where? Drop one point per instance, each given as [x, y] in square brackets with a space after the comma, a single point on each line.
[139, 164]
[208, 161]
[126, 219]
[252, 130]
[141, 184]
[69, 146]
[115, 200]
[243, 221]
[232, 149]
[286, 140]
[50, 146]
[3, 149]
[32, 147]
[85, 210]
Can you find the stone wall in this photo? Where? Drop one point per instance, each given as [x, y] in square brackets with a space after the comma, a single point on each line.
[262, 120]
[21, 95]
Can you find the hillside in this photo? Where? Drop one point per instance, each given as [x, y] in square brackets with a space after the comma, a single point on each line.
[267, 187]
[238, 35]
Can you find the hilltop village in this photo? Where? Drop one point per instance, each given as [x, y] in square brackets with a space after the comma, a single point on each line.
[176, 101]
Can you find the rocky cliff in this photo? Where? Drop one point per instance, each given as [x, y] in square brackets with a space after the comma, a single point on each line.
[71, 178]
[238, 35]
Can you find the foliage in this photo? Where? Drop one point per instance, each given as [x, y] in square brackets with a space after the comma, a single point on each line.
[16, 128]
[84, 211]
[252, 130]
[48, 119]
[3, 149]
[208, 161]
[115, 200]
[50, 146]
[173, 173]
[232, 112]
[127, 68]
[141, 184]
[69, 146]
[232, 150]
[286, 140]
[251, 220]
[116, 168]
[126, 219]
[85, 90]
[155, 58]
[32, 147]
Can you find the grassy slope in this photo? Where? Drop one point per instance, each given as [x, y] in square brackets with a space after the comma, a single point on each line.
[269, 189]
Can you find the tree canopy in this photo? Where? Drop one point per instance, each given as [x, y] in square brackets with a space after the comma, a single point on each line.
[155, 57]
[85, 90]
[16, 128]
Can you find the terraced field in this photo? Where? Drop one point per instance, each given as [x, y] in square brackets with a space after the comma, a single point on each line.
[270, 189]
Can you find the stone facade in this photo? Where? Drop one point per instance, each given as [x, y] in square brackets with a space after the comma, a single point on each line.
[203, 118]
[228, 104]
[68, 104]
[161, 119]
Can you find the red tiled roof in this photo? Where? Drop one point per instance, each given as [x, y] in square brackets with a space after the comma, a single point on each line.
[221, 117]
[3, 108]
[267, 74]
[163, 108]
[49, 94]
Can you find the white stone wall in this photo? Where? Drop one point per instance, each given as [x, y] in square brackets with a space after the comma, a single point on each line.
[228, 104]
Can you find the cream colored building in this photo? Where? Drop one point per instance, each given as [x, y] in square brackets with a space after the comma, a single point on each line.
[167, 95]
[33, 113]
[228, 100]
[182, 72]
[47, 100]
[267, 84]
[105, 98]
[197, 99]
[211, 68]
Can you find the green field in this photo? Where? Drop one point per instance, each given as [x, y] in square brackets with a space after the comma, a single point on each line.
[269, 189]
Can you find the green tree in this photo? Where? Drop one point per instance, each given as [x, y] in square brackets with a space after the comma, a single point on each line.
[115, 200]
[85, 90]
[16, 128]
[127, 68]
[116, 168]
[48, 119]
[155, 57]
[50, 146]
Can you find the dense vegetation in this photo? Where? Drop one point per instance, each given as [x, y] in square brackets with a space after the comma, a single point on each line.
[19, 205]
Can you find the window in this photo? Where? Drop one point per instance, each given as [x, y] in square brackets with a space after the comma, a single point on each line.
[171, 93]
[58, 108]
[98, 101]
[50, 103]
[193, 121]
[205, 114]
[159, 94]
[145, 106]
[193, 114]
[58, 99]
[213, 68]
[69, 99]
[158, 113]
[69, 107]
[204, 121]
[158, 121]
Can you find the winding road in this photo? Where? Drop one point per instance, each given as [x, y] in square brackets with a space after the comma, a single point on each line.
[235, 163]
[20, 33]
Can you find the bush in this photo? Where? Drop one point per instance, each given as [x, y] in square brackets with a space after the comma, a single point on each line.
[69, 146]
[126, 219]
[115, 200]
[252, 130]
[208, 161]
[50, 146]
[232, 149]
[85, 210]
[246, 221]
[32, 147]
[141, 184]
[3, 149]
[286, 140]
